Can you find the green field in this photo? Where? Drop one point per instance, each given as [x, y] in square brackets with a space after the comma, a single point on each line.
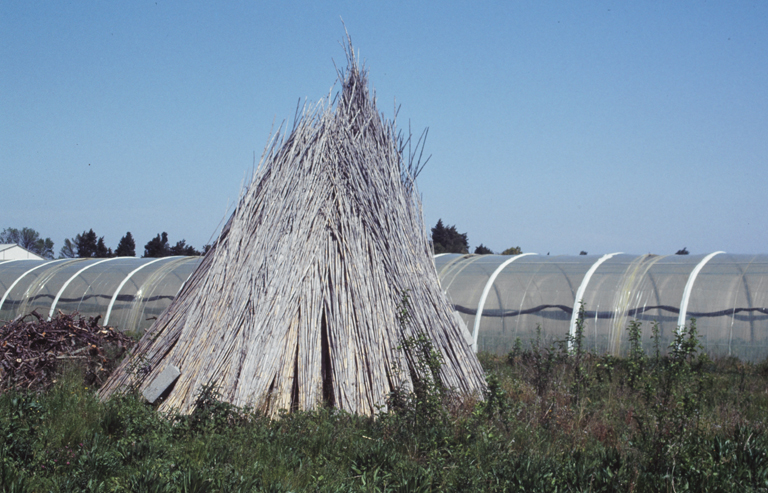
[554, 418]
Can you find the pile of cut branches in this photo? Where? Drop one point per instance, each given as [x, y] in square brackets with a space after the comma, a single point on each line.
[32, 352]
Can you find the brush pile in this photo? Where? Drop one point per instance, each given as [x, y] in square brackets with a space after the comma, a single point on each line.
[32, 352]
[299, 302]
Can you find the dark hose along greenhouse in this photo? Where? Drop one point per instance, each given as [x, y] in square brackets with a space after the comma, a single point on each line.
[500, 298]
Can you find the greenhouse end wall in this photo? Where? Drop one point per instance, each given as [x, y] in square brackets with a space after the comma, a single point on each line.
[500, 298]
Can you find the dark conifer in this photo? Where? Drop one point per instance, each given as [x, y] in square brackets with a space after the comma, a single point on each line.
[157, 246]
[127, 246]
[86, 244]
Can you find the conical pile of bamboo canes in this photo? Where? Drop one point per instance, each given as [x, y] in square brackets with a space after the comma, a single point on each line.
[297, 304]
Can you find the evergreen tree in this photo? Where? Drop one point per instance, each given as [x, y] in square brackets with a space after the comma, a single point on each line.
[157, 246]
[86, 244]
[181, 248]
[684, 251]
[101, 249]
[127, 246]
[446, 239]
[483, 250]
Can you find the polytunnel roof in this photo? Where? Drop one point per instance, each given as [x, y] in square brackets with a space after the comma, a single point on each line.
[726, 293]
[127, 292]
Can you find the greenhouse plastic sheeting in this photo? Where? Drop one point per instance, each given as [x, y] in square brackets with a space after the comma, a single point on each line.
[127, 292]
[726, 294]
[500, 298]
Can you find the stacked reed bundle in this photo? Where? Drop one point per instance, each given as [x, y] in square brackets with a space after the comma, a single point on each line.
[296, 305]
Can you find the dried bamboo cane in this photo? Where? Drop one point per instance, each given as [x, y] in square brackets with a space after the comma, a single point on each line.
[296, 304]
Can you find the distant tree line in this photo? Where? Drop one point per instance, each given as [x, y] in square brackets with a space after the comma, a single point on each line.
[159, 247]
[89, 245]
[447, 239]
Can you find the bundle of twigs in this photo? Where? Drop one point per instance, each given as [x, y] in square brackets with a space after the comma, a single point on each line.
[32, 351]
[297, 303]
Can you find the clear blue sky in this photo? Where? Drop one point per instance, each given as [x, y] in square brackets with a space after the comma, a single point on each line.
[556, 126]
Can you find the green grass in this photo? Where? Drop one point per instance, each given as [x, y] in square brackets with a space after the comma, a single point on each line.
[552, 420]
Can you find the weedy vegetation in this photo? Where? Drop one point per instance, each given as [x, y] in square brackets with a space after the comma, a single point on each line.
[553, 418]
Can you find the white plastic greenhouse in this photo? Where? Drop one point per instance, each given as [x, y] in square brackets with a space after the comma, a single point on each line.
[500, 298]
[127, 292]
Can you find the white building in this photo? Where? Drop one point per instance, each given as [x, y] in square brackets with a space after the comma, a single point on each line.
[12, 251]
